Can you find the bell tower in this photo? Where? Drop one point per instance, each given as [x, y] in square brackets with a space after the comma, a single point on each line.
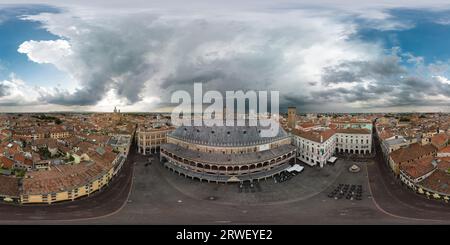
[292, 116]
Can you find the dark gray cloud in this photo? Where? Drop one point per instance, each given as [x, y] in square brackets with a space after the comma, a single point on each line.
[385, 69]
[387, 80]
[111, 56]
[4, 90]
[147, 54]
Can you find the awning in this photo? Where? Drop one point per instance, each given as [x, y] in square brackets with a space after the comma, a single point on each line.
[8, 199]
[296, 168]
[332, 159]
[234, 179]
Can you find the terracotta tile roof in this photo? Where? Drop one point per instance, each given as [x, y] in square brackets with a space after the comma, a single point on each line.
[49, 142]
[418, 168]
[9, 186]
[439, 139]
[444, 163]
[353, 131]
[386, 134]
[67, 177]
[317, 136]
[10, 147]
[307, 125]
[412, 152]
[445, 149]
[6, 162]
[63, 148]
[333, 126]
[28, 162]
[438, 181]
[19, 157]
[99, 139]
[84, 147]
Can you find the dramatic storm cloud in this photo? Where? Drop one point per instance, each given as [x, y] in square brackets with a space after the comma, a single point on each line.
[319, 58]
[386, 82]
[151, 54]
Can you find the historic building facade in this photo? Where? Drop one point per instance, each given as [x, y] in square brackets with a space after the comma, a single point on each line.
[226, 153]
[316, 147]
[354, 141]
[150, 138]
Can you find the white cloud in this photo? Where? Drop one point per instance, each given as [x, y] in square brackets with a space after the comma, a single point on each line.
[150, 53]
[442, 79]
[50, 52]
[135, 58]
[15, 91]
[443, 21]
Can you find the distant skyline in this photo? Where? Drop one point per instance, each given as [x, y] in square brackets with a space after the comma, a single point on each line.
[379, 56]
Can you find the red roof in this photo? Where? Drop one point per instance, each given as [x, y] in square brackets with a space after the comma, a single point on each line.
[317, 136]
[6, 162]
[418, 168]
[19, 157]
[412, 152]
[439, 139]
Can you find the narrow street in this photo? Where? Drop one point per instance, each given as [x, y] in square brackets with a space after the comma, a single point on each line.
[396, 199]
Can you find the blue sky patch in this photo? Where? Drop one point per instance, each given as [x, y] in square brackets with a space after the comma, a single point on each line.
[13, 32]
[428, 36]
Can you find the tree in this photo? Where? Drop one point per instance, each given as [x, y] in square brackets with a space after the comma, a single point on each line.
[19, 172]
[45, 153]
[404, 119]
